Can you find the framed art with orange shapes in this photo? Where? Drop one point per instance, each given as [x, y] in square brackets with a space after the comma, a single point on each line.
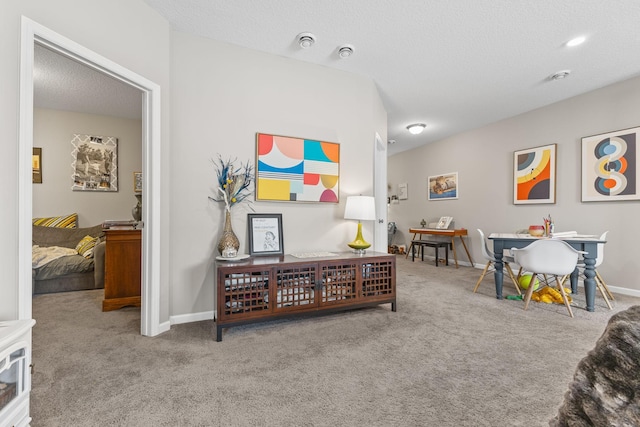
[290, 169]
[534, 175]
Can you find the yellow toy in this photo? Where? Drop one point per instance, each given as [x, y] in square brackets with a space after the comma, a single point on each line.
[550, 295]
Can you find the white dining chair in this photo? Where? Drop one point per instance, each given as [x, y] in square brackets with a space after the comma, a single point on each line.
[490, 266]
[600, 283]
[548, 257]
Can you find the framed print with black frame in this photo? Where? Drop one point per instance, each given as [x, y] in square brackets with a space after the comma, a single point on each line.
[265, 234]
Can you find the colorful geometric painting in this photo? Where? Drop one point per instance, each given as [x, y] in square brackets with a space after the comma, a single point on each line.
[534, 172]
[609, 166]
[297, 169]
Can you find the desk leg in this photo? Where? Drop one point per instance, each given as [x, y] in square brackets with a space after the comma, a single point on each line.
[453, 246]
[589, 282]
[498, 275]
[411, 245]
[466, 250]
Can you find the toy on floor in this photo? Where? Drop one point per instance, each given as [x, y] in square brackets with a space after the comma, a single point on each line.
[525, 280]
[550, 295]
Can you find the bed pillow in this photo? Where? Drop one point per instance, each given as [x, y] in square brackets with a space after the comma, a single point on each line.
[86, 245]
[65, 221]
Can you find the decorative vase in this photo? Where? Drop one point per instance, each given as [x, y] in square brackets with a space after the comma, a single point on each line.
[136, 212]
[229, 243]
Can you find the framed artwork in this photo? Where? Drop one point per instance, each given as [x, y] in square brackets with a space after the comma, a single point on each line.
[137, 182]
[94, 163]
[443, 187]
[297, 169]
[265, 234]
[534, 175]
[610, 166]
[403, 191]
[36, 163]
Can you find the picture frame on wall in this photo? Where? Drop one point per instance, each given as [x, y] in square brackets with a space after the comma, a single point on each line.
[265, 234]
[403, 191]
[137, 182]
[534, 175]
[443, 187]
[291, 169]
[610, 166]
[95, 160]
[36, 162]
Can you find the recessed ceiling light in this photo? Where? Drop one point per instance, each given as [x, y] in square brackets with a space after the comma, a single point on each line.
[560, 75]
[306, 40]
[416, 128]
[576, 41]
[345, 51]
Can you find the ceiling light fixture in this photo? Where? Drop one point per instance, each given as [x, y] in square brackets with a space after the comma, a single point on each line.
[345, 51]
[416, 128]
[576, 41]
[391, 141]
[560, 75]
[306, 40]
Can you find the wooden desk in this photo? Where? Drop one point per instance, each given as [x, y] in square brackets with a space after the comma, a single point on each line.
[502, 241]
[437, 232]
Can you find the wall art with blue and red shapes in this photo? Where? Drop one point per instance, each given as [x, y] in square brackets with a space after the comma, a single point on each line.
[610, 166]
[297, 169]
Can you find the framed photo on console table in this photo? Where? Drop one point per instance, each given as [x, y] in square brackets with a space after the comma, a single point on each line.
[265, 234]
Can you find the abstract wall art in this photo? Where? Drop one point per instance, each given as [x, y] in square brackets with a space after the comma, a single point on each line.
[297, 169]
[610, 166]
[534, 175]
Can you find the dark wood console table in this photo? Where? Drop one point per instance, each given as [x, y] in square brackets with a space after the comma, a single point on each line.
[122, 269]
[267, 288]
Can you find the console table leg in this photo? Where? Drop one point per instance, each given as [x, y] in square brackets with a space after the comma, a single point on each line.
[218, 333]
[393, 306]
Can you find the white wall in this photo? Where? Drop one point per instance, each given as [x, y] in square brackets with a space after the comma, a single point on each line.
[127, 32]
[484, 160]
[221, 96]
[52, 131]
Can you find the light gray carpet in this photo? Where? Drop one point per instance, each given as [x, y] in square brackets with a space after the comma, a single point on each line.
[447, 357]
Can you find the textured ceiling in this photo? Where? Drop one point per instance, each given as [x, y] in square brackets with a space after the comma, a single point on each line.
[63, 84]
[452, 64]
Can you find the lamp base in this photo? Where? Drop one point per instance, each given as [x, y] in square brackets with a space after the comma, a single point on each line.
[359, 244]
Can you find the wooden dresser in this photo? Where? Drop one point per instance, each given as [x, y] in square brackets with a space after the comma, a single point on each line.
[122, 269]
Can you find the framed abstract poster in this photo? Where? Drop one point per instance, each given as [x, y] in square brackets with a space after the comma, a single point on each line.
[443, 187]
[610, 166]
[297, 169]
[534, 175]
[94, 163]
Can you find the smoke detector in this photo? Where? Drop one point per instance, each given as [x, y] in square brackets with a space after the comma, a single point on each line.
[560, 75]
[306, 40]
[345, 51]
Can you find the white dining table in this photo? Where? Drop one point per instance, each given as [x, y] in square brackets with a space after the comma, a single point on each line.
[585, 243]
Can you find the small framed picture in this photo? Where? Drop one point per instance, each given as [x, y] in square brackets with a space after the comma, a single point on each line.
[265, 234]
[36, 162]
[443, 187]
[137, 182]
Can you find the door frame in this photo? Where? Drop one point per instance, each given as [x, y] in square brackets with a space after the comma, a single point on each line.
[381, 235]
[32, 33]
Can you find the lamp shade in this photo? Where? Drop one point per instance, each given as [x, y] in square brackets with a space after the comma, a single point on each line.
[362, 208]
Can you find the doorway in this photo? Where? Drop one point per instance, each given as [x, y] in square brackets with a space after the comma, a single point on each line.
[33, 33]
